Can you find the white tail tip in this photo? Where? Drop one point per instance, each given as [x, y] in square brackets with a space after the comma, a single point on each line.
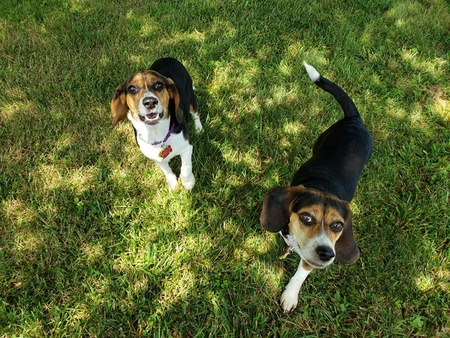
[312, 72]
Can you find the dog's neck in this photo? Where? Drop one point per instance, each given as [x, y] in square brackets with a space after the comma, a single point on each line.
[152, 134]
[322, 179]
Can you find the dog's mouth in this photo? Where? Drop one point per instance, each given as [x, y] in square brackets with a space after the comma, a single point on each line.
[317, 264]
[151, 118]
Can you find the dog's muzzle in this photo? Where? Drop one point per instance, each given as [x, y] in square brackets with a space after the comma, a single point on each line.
[150, 104]
[323, 256]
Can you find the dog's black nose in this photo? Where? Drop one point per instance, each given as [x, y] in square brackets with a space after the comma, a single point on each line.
[325, 253]
[150, 102]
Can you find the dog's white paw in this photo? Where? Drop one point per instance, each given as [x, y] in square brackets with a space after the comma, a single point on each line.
[172, 182]
[289, 299]
[188, 181]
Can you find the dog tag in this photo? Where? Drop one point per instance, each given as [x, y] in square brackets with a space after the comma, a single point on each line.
[287, 250]
[165, 151]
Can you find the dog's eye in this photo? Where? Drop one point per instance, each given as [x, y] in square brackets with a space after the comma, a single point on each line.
[158, 86]
[306, 219]
[132, 90]
[337, 227]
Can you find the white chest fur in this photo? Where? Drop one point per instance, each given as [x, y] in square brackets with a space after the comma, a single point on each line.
[155, 152]
[153, 139]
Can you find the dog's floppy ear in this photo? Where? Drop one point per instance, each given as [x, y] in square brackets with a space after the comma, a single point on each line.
[276, 212]
[119, 107]
[347, 251]
[174, 105]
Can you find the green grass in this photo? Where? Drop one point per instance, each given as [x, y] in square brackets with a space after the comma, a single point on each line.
[93, 244]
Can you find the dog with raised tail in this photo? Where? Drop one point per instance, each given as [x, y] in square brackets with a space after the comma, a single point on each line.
[313, 214]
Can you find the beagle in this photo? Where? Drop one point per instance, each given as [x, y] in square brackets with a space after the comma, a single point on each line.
[157, 101]
[313, 214]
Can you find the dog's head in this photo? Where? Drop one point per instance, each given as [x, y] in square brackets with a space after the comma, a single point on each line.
[149, 96]
[319, 223]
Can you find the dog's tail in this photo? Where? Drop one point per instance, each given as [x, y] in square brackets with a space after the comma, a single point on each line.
[339, 94]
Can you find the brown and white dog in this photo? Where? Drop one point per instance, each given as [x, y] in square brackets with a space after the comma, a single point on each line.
[313, 214]
[157, 102]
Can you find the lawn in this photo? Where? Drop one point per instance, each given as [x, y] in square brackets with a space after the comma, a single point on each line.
[92, 243]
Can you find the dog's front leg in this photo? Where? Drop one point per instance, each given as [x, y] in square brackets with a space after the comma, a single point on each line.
[187, 178]
[170, 176]
[289, 298]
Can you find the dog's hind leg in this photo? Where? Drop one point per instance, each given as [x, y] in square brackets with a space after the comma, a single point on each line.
[193, 109]
[197, 122]
[196, 117]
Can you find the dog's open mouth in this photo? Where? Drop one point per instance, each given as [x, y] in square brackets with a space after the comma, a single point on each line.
[151, 118]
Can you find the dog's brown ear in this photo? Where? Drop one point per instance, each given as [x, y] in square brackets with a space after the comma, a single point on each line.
[347, 251]
[119, 107]
[276, 212]
[174, 105]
